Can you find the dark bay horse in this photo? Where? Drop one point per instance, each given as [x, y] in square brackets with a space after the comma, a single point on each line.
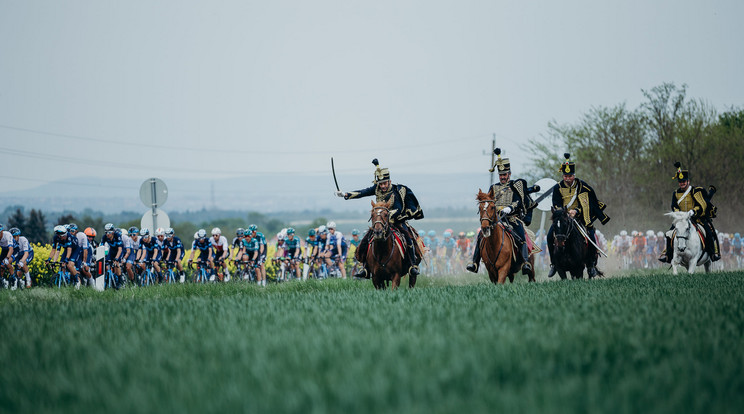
[384, 256]
[496, 244]
[569, 247]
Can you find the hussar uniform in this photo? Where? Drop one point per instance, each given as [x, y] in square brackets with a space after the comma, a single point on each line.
[512, 198]
[404, 207]
[581, 197]
[695, 200]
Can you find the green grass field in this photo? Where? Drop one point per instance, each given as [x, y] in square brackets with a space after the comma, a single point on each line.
[649, 343]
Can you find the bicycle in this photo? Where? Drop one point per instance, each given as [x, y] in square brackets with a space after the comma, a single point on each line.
[17, 278]
[62, 276]
[201, 275]
[111, 280]
[147, 277]
[170, 273]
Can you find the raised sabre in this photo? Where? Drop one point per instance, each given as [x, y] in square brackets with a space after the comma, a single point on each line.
[586, 236]
[334, 175]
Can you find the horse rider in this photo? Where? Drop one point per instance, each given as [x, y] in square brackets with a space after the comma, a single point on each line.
[696, 202]
[515, 204]
[404, 207]
[582, 204]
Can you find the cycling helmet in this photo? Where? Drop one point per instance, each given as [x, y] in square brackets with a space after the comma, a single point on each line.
[355, 232]
[432, 233]
[290, 231]
[246, 233]
[331, 225]
[311, 233]
[133, 230]
[72, 227]
[449, 231]
[160, 231]
[124, 232]
[216, 231]
[471, 233]
[461, 234]
[169, 232]
[201, 234]
[280, 236]
[737, 235]
[623, 233]
[253, 228]
[90, 232]
[60, 230]
[15, 231]
[447, 234]
[144, 232]
[109, 227]
[420, 232]
[239, 232]
[660, 234]
[322, 230]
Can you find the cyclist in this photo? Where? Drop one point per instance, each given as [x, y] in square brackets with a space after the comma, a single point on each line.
[221, 252]
[280, 247]
[447, 249]
[202, 244]
[174, 251]
[23, 253]
[81, 256]
[432, 242]
[237, 242]
[251, 250]
[131, 243]
[292, 250]
[463, 245]
[355, 240]
[149, 253]
[335, 248]
[65, 249]
[112, 238]
[6, 251]
[90, 234]
[258, 236]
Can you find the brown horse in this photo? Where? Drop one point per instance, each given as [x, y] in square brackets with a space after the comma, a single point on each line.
[497, 248]
[384, 257]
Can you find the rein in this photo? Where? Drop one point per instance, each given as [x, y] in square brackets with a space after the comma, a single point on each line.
[491, 224]
[377, 211]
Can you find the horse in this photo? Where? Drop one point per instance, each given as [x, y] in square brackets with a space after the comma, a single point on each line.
[569, 247]
[687, 245]
[496, 244]
[385, 255]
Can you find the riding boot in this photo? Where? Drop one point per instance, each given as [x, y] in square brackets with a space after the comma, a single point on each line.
[666, 255]
[526, 267]
[473, 266]
[715, 252]
[414, 270]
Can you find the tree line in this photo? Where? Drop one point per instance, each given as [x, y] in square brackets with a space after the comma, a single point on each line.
[627, 155]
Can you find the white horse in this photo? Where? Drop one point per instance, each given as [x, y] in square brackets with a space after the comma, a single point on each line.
[688, 247]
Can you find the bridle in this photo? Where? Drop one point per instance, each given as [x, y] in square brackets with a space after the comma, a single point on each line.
[682, 245]
[560, 239]
[483, 207]
[377, 217]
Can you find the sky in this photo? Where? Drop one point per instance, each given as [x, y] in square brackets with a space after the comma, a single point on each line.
[210, 90]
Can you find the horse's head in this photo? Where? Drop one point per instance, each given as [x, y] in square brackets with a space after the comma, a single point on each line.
[682, 226]
[380, 218]
[562, 226]
[487, 211]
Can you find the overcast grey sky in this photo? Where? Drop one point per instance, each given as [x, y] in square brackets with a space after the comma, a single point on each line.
[217, 89]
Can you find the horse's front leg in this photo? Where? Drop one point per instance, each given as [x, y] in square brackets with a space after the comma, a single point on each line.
[396, 281]
[503, 273]
[691, 266]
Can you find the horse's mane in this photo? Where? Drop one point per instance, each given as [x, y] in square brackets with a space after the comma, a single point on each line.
[386, 204]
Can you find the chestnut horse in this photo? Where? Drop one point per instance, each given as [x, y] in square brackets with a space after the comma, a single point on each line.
[497, 248]
[384, 257]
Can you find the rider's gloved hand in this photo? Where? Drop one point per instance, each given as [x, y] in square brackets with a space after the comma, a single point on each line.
[507, 210]
[690, 213]
[339, 194]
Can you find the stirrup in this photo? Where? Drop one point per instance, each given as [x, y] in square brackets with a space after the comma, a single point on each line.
[362, 274]
[413, 271]
[472, 267]
[526, 268]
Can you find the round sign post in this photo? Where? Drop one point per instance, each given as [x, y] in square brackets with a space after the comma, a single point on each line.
[544, 198]
[154, 193]
[152, 220]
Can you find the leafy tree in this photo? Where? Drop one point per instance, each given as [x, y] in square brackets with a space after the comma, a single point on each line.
[18, 219]
[65, 219]
[36, 231]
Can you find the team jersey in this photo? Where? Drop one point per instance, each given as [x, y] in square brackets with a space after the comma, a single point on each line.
[355, 243]
[333, 241]
[202, 246]
[6, 240]
[310, 245]
[252, 246]
[114, 242]
[259, 237]
[236, 242]
[20, 247]
[463, 244]
[173, 244]
[291, 245]
[449, 245]
[220, 246]
[151, 248]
